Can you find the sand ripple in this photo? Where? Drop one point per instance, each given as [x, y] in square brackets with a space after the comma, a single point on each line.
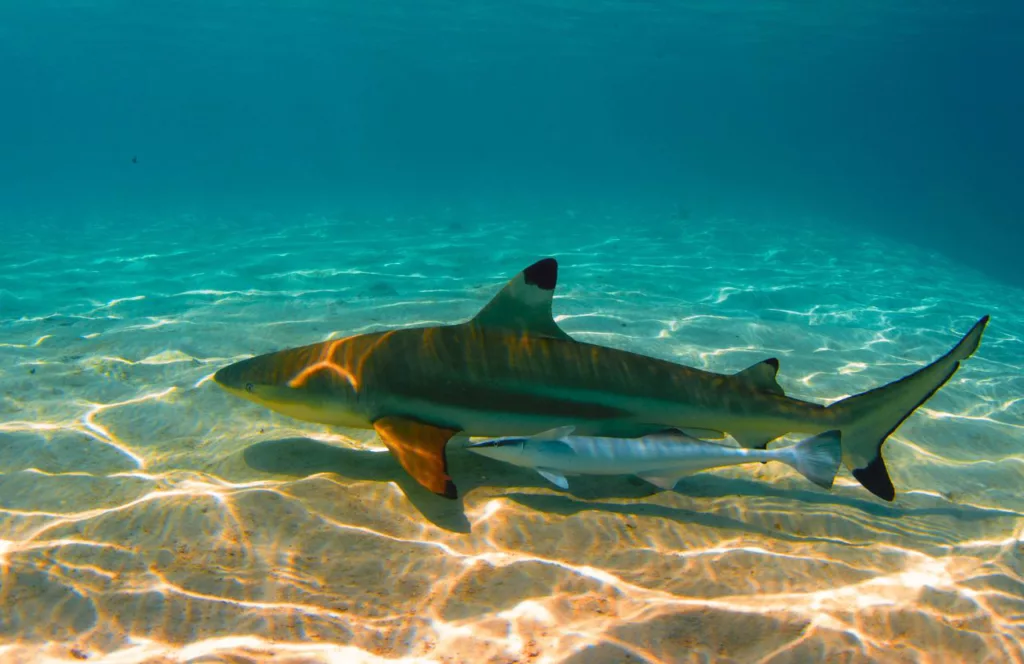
[145, 515]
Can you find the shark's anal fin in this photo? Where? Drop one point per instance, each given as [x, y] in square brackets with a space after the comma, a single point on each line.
[763, 376]
[755, 439]
[524, 304]
[419, 448]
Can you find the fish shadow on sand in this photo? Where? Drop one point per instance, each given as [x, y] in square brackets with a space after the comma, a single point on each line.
[302, 457]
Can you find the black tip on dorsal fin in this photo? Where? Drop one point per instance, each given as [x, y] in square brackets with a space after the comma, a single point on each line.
[524, 304]
[773, 362]
[543, 274]
[875, 478]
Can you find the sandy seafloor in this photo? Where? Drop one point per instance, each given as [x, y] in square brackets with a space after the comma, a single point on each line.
[146, 515]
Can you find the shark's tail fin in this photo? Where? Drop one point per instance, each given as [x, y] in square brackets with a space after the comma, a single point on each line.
[817, 458]
[867, 419]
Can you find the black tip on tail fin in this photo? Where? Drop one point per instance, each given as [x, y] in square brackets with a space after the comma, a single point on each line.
[875, 478]
[869, 418]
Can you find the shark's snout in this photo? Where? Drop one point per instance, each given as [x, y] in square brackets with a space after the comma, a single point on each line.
[241, 378]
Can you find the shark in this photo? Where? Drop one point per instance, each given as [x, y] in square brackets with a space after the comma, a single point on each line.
[511, 370]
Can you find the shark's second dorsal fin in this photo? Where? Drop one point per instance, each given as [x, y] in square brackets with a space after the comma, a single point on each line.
[762, 376]
[524, 304]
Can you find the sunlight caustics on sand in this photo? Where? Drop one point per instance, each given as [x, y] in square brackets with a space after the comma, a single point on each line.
[145, 515]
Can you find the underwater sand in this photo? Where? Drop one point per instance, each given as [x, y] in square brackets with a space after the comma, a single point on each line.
[146, 515]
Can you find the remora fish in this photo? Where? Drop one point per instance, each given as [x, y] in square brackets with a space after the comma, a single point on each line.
[511, 371]
[661, 458]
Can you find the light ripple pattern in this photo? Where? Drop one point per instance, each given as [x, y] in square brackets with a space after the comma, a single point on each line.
[147, 516]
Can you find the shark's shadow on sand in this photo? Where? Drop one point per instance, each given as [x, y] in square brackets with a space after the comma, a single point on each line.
[302, 457]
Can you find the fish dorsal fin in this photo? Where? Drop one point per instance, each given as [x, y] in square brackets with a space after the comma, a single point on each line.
[553, 434]
[762, 376]
[524, 304]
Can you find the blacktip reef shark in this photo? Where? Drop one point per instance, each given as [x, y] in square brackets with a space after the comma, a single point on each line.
[512, 371]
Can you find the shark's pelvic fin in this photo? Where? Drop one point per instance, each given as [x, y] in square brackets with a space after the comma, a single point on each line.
[763, 376]
[419, 448]
[701, 434]
[524, 304]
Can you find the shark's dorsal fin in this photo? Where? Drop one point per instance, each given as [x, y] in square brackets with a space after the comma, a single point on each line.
[762, 376]
[524, 304]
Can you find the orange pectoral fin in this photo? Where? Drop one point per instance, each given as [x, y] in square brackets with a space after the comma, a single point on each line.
[420, 449]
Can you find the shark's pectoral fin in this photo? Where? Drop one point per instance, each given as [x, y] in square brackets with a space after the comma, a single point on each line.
[419, 448]
[554, 477]
[524, 304]
[763, 376]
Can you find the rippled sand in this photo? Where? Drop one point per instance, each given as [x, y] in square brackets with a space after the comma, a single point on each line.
[145, 515]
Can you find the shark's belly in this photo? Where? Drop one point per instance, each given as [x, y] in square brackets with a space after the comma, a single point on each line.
[497, 421]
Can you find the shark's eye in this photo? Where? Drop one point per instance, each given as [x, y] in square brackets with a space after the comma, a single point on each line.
[249, 387]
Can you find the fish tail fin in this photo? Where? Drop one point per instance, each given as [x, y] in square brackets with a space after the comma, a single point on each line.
[817, 458]
[867, 419]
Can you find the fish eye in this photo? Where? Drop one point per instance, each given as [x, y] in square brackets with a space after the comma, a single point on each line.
[249, 387]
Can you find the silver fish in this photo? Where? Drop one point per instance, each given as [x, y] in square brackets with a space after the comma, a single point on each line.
[661, 458]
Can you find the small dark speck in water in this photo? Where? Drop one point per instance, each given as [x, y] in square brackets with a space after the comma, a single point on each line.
[382, 289]
[623, 325]
[261, 429]
[78, 653]
[32, 371]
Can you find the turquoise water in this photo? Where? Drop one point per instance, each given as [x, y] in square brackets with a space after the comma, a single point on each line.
[149, 516]
[187, 184]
